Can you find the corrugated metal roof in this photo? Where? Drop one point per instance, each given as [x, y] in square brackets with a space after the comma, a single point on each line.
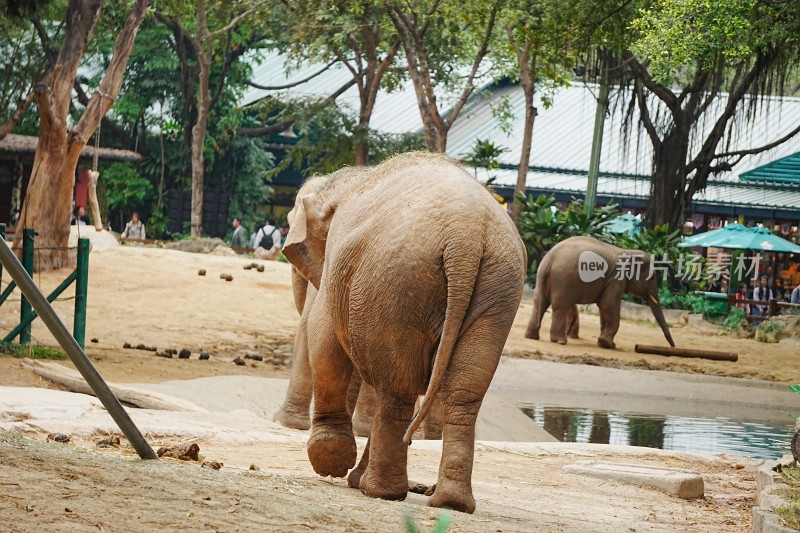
[716, 192]
[784, 170]
[562, 136]
[395, 112]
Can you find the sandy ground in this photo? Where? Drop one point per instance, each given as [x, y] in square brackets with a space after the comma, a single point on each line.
[155, 297]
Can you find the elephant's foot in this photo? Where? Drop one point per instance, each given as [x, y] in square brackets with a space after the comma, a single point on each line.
[562, 340]
[532, 334]
[332, 450]
[453, 495]
[573, 335]
[605, 343]
[392, 488]
[291, 418]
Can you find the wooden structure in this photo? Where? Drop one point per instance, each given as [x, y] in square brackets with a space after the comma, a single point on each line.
[16, 162]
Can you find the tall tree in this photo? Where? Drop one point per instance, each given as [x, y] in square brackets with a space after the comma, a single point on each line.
[441, 41]
[692, 62]
[47, 203]
[537, 40]
[218, 32]
[354, 33]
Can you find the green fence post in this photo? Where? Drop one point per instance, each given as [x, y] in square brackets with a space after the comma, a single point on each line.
[27, 263]
[2, 236]
[81, 285]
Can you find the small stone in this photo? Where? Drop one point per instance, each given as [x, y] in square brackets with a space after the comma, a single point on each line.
[248, 267]
[141, 347]
[94, 340]
[151, 348]
[127, 345]
[216, 465]
[59, 437]
[184, 452]
[166, 355]
[223, 276]
[260, 268]
[254, 357]
[185, 354]
[239, 361]
[201, 272]
[228, 278]
[204, 356]
[207, 498]
[255, 467]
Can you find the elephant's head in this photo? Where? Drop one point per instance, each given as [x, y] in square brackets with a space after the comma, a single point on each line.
[644, 284]
[305, 244]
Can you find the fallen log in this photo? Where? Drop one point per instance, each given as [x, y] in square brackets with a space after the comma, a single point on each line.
[685, 352]
[72, 381]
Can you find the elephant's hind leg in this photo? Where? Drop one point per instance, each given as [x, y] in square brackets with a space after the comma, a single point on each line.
[331, 447]
[540, 305]
[573, 322]
[558, 325]
[609, 307]
[364, 413]
[386, 476]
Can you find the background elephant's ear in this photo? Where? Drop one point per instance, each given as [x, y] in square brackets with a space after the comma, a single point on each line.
[305, 243]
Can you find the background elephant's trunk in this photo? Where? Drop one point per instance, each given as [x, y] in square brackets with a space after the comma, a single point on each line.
[655, 307]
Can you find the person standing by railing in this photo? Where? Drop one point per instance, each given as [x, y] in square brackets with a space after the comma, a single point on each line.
[762, 293]
[741, 299]
[134, 229]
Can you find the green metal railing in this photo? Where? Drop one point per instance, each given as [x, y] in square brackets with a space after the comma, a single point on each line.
[80, 276]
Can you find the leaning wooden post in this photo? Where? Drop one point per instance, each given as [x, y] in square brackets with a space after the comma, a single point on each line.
[27, 263]
[2, 236]
[75, 352]
[81, 286]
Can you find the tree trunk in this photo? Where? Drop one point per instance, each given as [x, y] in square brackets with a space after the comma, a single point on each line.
[362, 154]
[48, 203]
[198, 143]
[525, 156]
[666, 204]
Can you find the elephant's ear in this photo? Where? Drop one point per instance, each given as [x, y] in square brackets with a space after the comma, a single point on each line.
[305, 243]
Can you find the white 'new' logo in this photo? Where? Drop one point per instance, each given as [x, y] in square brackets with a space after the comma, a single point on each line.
[591, 266]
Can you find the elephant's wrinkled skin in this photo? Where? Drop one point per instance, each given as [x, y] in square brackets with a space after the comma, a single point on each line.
[294, 412]
[559, 284]
[419, 272]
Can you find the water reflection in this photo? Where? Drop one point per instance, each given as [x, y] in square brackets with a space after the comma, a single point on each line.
[703, 435]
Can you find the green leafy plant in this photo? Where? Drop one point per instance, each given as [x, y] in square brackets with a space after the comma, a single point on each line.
[733, 322]
[33, 351]
[484, 154]
[790, 513]
[442, 523]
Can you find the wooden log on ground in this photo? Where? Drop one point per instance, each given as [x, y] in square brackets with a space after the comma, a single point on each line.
[72, 381]
[684, 352]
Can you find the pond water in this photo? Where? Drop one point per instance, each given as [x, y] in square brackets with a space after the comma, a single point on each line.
[701, 435]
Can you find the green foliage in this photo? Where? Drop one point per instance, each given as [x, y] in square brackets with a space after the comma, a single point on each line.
[770, 326]
[443, 522]
[124, 188]
[484, 154]
[32, 351]
[790, 514]
[249, 178]
[733, 322]
[542, 226]
[674, 34]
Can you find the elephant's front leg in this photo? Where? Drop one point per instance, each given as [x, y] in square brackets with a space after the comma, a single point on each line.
[609, 307]
[386, 475]
[331, 447]
[294, 411]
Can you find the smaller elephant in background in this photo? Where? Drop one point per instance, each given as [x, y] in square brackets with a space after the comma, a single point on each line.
[583, 270]
[294, 413]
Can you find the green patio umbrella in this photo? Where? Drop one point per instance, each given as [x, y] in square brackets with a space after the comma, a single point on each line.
[626, 223]
[738, 237]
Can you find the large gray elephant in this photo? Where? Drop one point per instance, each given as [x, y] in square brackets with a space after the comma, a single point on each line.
[582, 270]
[420, 273]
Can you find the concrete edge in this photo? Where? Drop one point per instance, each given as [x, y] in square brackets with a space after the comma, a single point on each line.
[768, 478]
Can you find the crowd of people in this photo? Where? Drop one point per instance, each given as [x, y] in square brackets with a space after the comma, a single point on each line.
[266, 241]
[764, 291]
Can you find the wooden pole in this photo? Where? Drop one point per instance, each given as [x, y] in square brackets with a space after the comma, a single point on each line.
[684, 352]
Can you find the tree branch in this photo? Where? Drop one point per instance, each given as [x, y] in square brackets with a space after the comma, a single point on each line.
[235, 20]
[475, 65]
[17, 116]
[293, 84]
[663, 93]
[644, 114]
[764, 148]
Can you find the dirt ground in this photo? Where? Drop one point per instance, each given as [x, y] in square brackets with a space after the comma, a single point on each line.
[155, 297]
[73, 487]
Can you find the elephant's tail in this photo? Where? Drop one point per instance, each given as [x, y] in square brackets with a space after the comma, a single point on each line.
[461, 265]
